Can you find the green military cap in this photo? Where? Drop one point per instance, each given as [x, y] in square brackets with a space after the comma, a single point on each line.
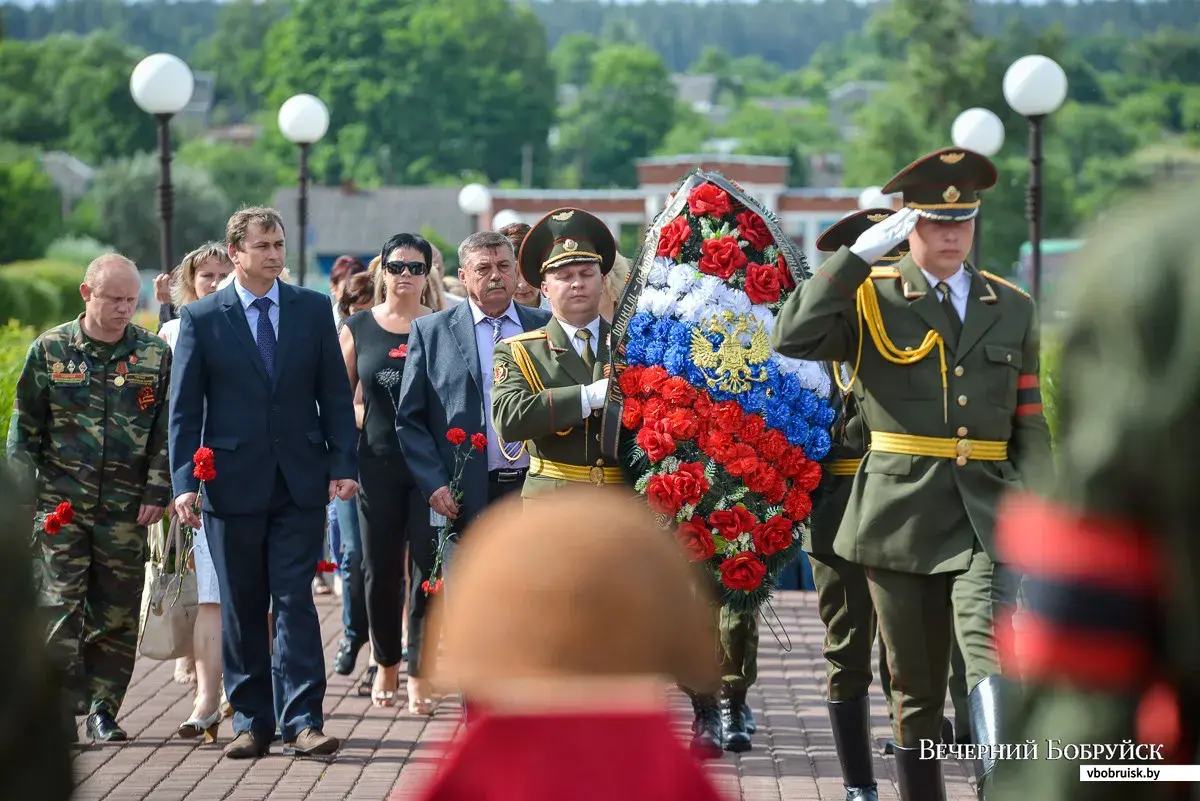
[846, 231]
[565, 236]
[945, 185]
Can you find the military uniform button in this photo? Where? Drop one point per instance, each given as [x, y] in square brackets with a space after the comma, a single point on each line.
[960, 461]
[1008, 357]
[962, 400]
[909, 347]
[962, 431]
[958, 371]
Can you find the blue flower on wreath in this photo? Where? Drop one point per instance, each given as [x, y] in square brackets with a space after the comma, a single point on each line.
[817, 446]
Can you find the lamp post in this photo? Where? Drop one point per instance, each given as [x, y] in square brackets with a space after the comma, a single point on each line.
[1035, 86]
[303, 119]
[505, 217]
[473, 200]
[982, 131]
[162, 85]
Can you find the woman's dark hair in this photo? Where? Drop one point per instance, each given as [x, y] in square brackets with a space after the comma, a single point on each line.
[344, 267]
[408, 241]
[359, 289]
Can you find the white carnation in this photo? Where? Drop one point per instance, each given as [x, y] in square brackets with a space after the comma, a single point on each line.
[681, 279]
[659, 270]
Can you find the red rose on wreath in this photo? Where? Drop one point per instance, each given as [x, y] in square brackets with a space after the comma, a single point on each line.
[678, 392]
[656, 440]
[631, 413]
[696, 540]
[743, 572]
[456, 436]
[729, 523]
[669, 493]
[673, 237]
[65, 512]
[684, 424]
[797, 504]
[398, 352]
[631, 381]
[786, 281]
[721, 257]
[653, 379]
[754, 230]
[708, 199]
[762, 284]
[773, 536]
[479, 442]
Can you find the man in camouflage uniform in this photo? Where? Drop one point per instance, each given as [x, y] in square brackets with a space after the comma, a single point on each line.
[90, 419]
[948, 360]
[1108, 639]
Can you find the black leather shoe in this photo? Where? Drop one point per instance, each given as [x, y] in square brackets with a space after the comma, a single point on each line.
[918, 779]
[748, 716]
[706, 727]
[101, 726]
[851, 721]
[734, 736]
[347, 656]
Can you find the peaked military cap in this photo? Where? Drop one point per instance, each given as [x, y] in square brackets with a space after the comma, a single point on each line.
[945, 185]
[565, 236]
[846, 231]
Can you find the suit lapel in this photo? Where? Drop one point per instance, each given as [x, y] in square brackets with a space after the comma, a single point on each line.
[528, 321]
[235, 315]
[564, 353]
[982, 312]
[923, 300]
[462, 323]
[287, 324]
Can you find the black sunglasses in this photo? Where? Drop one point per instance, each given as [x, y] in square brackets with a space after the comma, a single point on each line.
[413, 267]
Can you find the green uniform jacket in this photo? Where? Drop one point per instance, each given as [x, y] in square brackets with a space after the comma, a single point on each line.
[829, 505]
[551, 419]
[922, 514]
[94, 429]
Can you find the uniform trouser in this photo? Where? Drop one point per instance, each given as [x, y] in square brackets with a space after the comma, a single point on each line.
[919, 617]
[844, 604]
[91, 585]
[739, 649]
[958, 687]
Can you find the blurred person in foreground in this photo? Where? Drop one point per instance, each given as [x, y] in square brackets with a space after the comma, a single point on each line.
[614, 285]
[572, 706]
[1108, 641]
[90, 426]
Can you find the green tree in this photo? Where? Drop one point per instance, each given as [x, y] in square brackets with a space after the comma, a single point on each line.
[246, 175]
[236, 54]
[32, 211]
[572, 57]
[795, 133]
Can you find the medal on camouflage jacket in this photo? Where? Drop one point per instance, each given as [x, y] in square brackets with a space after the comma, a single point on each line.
[122, 369]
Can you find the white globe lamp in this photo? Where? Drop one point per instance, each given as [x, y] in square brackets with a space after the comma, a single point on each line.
[474, 199]
[505, 217]
[979, 130]
[303, 119]
[1035, 86]
[162, 84]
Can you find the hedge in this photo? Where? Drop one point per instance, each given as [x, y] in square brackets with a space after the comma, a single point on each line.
[15, 340]
[40, 294]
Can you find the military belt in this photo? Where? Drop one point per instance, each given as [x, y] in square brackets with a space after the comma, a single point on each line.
[844, 467]
[575, 472]
[961, 450]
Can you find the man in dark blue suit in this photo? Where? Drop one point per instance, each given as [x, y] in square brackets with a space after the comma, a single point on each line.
[258, 377]
[448, 384]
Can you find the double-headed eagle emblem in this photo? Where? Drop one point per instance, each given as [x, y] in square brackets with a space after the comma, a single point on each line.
[734, 364]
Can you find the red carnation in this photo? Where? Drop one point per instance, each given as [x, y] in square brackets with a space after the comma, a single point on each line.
[715, 442]
[631, 413]
[655, 409]
[721, 257]
[773, 536]
[678, 392]
[761, 478]
[673, 237]
[479, 442]
[753, 428]
[797, 504]
[653, 378]
[786, 281]
[696, 540]
[456, 436]
[684, 424]
[203, 461]
[53, 524]
[754, 230]
[432, 587]
[809, 476]
[728, 416]
[772, 445]
[762, 284]
[729, 523]
[669, 493]
[791, 463]
[325, 566]
[775, 493]
[656, 440]
[65, 513]
[708, 199]
[743, 572]
[703, 406]
[631, 381]
[398, 352]
[740, 460]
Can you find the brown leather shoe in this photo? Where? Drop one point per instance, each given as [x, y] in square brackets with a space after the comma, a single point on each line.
[247, 745]
[312, 742]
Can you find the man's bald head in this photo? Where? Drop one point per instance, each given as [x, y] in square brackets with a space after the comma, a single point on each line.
[108, 264]
[110, 292]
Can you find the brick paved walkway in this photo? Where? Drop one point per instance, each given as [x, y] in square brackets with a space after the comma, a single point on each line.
[388, 753]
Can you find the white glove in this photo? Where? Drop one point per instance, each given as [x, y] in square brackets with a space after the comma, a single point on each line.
[878, 240]
[595, 394]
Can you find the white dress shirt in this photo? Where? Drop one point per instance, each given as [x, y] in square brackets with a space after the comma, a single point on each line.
[960, 289]
[247, 297]
[485, 343]
[579, 345]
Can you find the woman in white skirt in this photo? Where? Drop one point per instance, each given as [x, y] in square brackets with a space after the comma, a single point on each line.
[198, 275]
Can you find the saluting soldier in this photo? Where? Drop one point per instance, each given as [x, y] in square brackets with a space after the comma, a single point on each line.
[90, 419]
[1109, 643]
[549, 385]
[948, 362]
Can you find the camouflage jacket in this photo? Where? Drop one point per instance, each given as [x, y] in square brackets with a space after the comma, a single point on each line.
[94, 429]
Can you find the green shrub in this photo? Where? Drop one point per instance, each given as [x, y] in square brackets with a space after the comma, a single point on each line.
[79, 250]
[14, 345]
[1051, 355]
[41, 293]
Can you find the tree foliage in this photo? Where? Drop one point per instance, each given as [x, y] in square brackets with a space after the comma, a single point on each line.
[32, 210]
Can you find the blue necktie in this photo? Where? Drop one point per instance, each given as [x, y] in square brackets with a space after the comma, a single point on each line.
[266, 334]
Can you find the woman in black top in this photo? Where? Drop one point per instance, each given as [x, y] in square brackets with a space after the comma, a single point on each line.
[391, 508]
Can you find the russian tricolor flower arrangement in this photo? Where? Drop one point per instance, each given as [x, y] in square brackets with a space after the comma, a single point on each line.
[724, 435]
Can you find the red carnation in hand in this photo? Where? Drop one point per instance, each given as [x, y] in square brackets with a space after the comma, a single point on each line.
[773, 536]
[729, 523]
[656, 440]
[673, 237]
[203, 461]
[754, 230]
[721, 257]
[762, 284]
[53, 524]
[479, 442]
[432, 587]
[65, 513]
[325, 566]
[696, 540]
[709, 199]
[456, 436]
[743, 572]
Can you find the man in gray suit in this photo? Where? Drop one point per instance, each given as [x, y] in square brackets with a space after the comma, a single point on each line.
[448, 383]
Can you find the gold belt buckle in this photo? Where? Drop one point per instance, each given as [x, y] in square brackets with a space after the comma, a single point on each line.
[597, 476]
[963, 448]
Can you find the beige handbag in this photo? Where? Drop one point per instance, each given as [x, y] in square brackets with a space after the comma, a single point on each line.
[170, 597]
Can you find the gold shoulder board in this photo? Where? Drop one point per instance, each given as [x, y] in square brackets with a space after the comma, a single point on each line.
[528, 336]
[1009, 284]
[885, 272]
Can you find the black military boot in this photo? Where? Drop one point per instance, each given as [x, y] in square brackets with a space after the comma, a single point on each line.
[101, 725]
[918, 779]
[851, 721]
[706, 727]
[734, 734]
[346, 657]
[748, 715]
[984, 706]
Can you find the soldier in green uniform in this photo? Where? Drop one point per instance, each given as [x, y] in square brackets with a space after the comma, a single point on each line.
[946, 355]
[549, 385]
[90, 422]
[1109, 638]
